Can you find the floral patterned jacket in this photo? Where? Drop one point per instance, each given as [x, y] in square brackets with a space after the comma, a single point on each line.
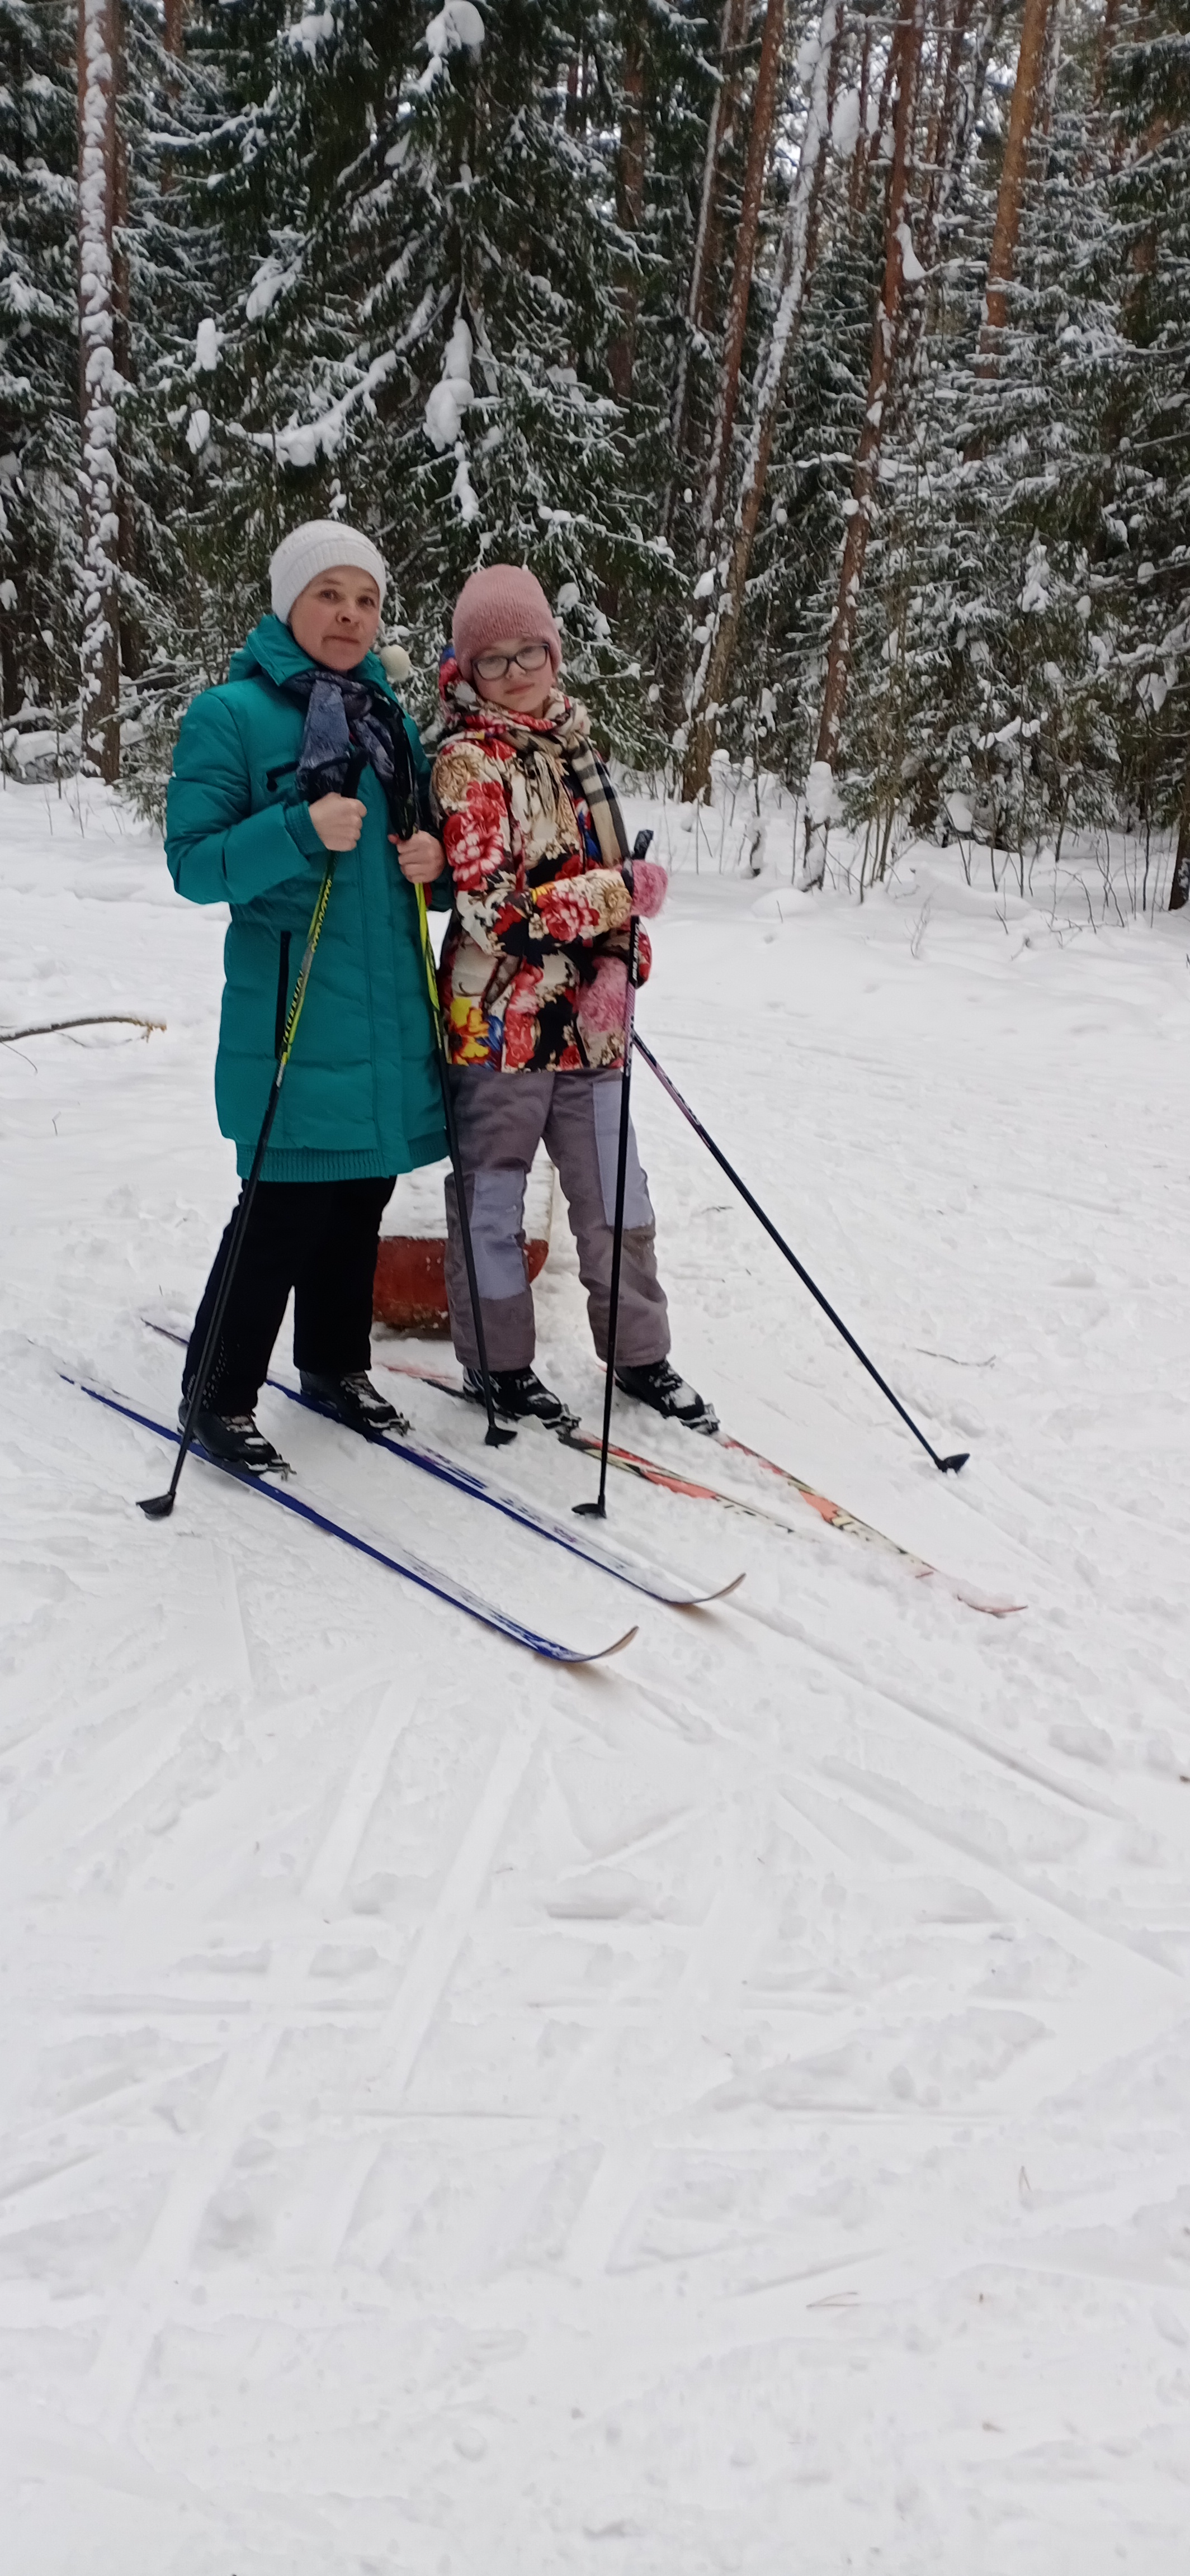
[536, 904]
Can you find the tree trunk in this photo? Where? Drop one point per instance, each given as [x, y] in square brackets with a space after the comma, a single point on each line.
[1052, 67]
[949, 131]
[1179, 892]
[970, 101]
[630, 198]
[760, 134]
[1108, 26]
[1142, 258]
[1021, 120]
[708, 238]
[121, 264]
[100, 654]
[907, 45]
[873, 147]
[859, 158]
[710, 679]
[956, 117]
[173, 39]
[945, 129]
[737, 18]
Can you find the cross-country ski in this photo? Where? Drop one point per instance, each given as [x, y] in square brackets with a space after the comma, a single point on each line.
[659, 1584]
[672, 1480]
[395, 1559]
[594, 1447]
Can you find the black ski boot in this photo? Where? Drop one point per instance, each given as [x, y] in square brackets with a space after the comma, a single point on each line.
[519, 1395]
[236, 1440]
[660, 1386]
[354, 1400]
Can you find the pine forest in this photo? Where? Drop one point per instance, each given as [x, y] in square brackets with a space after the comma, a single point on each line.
[829, 363]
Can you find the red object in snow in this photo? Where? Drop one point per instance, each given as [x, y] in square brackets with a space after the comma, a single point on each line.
[410, 1290]
[409, 1294]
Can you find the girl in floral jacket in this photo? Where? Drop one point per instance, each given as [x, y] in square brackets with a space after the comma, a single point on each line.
[534, 988]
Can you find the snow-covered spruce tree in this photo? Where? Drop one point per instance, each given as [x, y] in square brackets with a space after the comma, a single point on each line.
[99, 194]
[250, 286]
[38, 360]
[899, 286]
[1022, 653]
[181, 584]
[673, 245]
[977, 677]
[1022, 731]
[94, 280]
[511, 304]
[906, 689]
[789, 601]
[789, 609]
[719, 105]
[717, 680]
[421, 284]
[1146, 421]
[736, 219]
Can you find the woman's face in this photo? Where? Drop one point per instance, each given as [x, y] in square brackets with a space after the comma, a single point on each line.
[505, 682]
[336, 617]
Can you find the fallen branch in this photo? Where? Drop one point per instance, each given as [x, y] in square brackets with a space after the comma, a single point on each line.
[93, 1020]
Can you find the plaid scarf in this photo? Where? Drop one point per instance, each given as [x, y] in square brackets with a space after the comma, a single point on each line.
[345, 717]
[548, 745]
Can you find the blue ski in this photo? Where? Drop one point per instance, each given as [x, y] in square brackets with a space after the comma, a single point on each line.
[459, 1596]
[660, 1586]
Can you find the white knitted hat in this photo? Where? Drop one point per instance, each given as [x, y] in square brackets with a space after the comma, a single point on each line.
[318, 547]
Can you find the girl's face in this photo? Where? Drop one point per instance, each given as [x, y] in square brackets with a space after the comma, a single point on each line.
[516, 673]
[336, 617]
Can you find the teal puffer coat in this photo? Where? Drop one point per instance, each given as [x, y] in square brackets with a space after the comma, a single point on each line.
[361, 1093]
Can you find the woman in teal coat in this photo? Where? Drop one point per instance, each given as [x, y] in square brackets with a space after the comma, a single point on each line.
[256, 816]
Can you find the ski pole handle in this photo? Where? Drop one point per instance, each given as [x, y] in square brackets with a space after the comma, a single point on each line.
[640, 850]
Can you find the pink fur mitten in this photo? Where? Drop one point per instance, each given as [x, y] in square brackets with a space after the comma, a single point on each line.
[602, 1004]
[650, 885]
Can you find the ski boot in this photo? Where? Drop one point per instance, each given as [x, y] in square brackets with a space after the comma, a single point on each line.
[354, 1400]
[236, 1440]
[660, 1386]
[519, 1396]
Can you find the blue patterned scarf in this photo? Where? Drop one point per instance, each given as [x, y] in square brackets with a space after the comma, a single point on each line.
[349, 722]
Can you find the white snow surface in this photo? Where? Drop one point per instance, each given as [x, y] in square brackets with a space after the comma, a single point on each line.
[722, 2110]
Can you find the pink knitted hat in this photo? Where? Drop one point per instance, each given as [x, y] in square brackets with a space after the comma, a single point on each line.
[504, 600]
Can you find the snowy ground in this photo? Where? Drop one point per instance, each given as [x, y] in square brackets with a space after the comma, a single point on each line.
[722, 2111]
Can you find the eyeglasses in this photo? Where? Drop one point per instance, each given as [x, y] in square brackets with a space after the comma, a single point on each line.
[492, 666]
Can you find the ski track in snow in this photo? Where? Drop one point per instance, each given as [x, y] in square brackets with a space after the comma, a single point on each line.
[722, 2111]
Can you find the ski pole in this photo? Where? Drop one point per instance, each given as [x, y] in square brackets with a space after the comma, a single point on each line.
[945, 1465]
[597, 1510]
[494, 1437]
[159, 1506]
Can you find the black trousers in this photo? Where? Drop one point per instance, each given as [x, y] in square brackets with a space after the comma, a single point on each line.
[318, 1238]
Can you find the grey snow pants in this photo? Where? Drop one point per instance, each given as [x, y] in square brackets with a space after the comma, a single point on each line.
[502, 1119]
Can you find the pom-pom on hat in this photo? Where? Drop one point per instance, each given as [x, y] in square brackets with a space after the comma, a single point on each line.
[502, 601]
[318, 546]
